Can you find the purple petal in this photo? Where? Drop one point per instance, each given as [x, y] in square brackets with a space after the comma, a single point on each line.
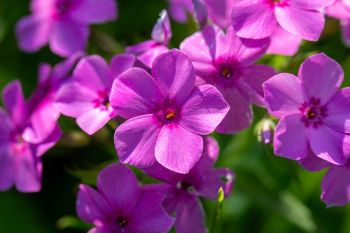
[179, 9]
[178, 149]
[49, 142]
[240, 115]
[284, 43]
[321, 77]
[201, 46]
[73, 99]
[91, 11]
[119, 186]
[204, 110]
[161, 31]
[33, 33]
[121, 63]
[338, 111]
[68, 37]
[6, 168]
[220, 11]
[200, 12]
[149, 215]
[28, 169]
[135, 140]
[93, 120]
[329, 145]
[91, 206]
[93, 73]
[148, 57]
[14, 103]
[102, 229]
[311, 4]
[338, 10]
[253, 77]
[303, 23]
[290, 139]
[253, 20]
[6, 127]
[283, 94]
[135, 93]
[161, 173]
[190, 216]
[213, 180]
[141, 47]
[313, 163]
[336, 186]
[345, 25]
[175, 75]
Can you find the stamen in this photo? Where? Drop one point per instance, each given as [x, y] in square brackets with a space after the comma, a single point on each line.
[122, 222]
[226, 73]
[170, 114]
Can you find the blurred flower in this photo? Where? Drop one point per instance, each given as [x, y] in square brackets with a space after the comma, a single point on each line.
[63, 24]
[85, 96]
[200, 12]
[180, 9]
[183, 191]
[259, 19]
[121, 205]
[220, 12]
[20, 157]
[264, 130]
[167, 114]
[314, 113]
[227, 62]
[345, 24]
[149, 50]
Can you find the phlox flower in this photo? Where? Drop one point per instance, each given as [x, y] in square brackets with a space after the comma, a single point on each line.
[85, 96]
[180, 9]
[183, 191]
[63, 24]
[257, 19]
[227, 62]
[313, 111]
[20, 156]
[166, 112]
[340, 9]
[149, 50]
[120, 205]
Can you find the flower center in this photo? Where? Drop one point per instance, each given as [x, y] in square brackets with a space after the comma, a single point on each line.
[185, 186]
[62, 8]
[122, 222]
[313, 112]
[226, 73]
[102, 101]
[276, 2]
[170, 114]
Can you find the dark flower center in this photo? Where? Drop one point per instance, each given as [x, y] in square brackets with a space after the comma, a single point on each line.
[170, 114]
[185, 186]
[102, 101]
[62, 8]
[226, 73]
[122, 222]
[313, 112]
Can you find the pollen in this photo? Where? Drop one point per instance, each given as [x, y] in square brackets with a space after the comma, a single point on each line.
[170, 115]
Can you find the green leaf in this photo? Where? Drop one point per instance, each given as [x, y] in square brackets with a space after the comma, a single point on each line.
[72, 222]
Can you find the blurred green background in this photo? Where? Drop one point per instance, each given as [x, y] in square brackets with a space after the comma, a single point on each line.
[271, 194]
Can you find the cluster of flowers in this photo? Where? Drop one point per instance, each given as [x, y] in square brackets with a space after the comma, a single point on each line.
[172, 100]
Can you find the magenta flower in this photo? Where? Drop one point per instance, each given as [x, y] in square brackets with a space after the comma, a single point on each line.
[219, 12]
[227, 62]
[341, 10]
[183, 191]
[20, 157]
[121, 205]
[180, 10]
[86, 95]
[336, 186]
[284, 43]
[149, 50]
[257, 19]
[63, 24]
[313, 111]
[167, 114]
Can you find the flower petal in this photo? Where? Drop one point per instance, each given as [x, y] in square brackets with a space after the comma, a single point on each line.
[345, 25]
[148, 57]
[175, 75]
[329, 145]
[240, 115]
[92, 11]
[290, 139]
[311, 4]
[313, 163]
[93, 120]
[321, 77]
[336, 186]
[135, 140]
[14, 103]
[91, 206]
[121, 63]
[284, 43]
[253, 20]
[178, 149]
[303, 23]
[283, 94]
[68, 37]
[338, 111]
[119, 186]
[220, 11]
[204, 110]
[149, 215]
[33, 33]
[6, 168]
